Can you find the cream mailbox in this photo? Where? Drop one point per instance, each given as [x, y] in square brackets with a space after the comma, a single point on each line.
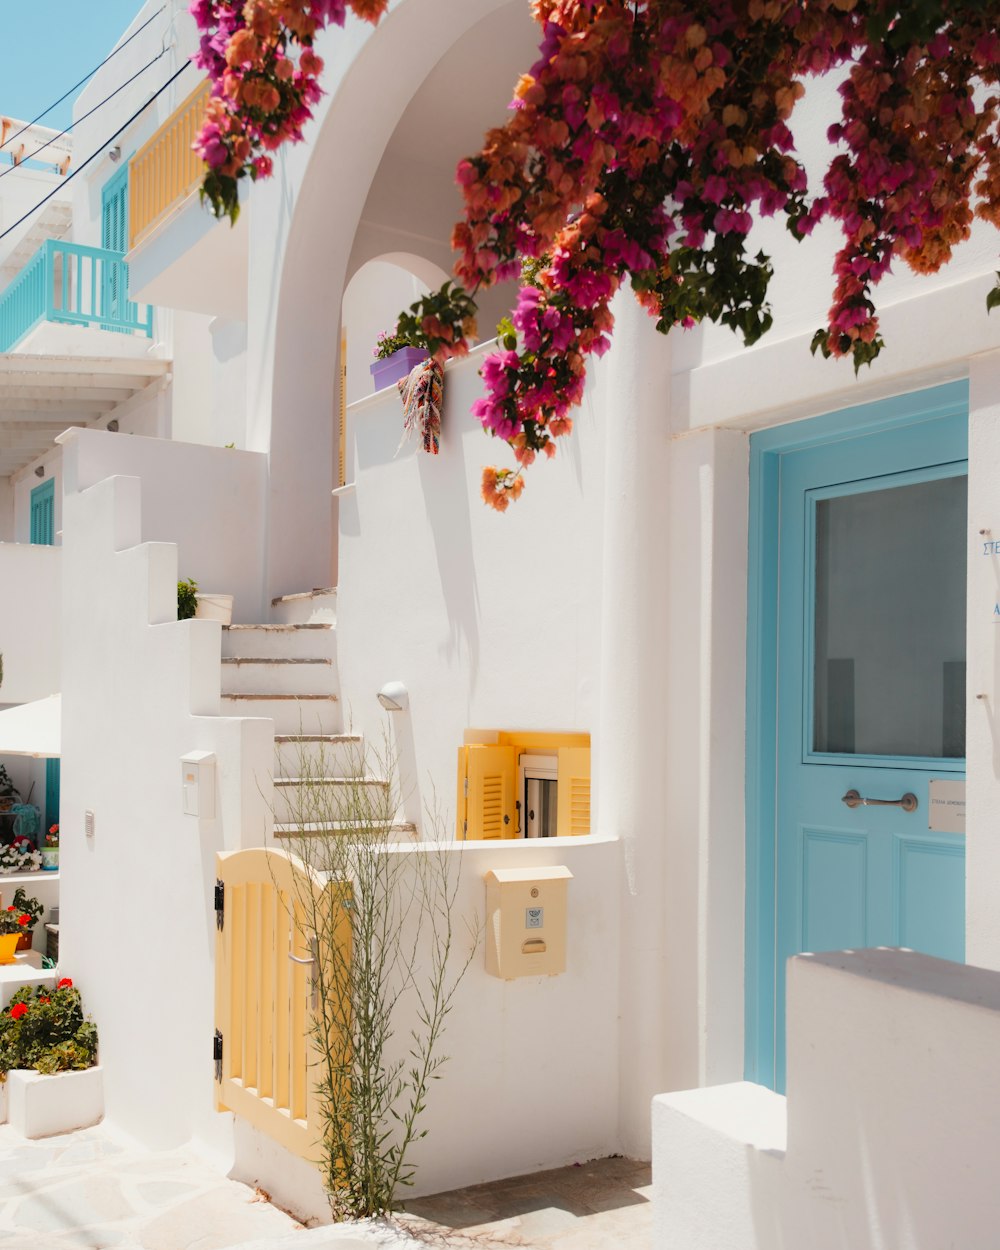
[526, 921]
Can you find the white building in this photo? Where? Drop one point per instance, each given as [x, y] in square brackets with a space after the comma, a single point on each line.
[756, 582]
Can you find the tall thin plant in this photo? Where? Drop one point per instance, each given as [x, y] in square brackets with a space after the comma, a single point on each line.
[387, 965]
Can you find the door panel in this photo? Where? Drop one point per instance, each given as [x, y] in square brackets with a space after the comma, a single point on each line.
[868, 696]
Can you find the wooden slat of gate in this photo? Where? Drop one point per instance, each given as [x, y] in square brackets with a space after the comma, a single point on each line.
[262, 999]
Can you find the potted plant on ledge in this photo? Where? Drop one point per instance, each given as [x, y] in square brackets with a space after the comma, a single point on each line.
[19, 855]
[49, 1078]
[13, 925]
[199, 603]
[394, 356]
[50, 851]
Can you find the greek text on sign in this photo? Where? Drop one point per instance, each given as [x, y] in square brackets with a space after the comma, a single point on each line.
[946, 806]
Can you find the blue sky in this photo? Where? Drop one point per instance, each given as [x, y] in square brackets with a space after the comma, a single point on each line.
[48, 45]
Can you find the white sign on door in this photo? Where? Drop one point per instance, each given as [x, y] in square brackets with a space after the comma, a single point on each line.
[946, 806]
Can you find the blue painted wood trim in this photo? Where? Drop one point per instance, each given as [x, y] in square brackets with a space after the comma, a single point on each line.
[766, 449]
[52, 786]
[43, 503]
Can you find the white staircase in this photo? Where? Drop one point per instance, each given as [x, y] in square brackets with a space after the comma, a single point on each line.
[288, 671]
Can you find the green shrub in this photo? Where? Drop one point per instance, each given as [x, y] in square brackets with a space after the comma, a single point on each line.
[44, 1029]
[187, 599]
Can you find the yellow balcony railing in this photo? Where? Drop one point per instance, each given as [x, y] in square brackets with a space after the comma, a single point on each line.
[165, 169]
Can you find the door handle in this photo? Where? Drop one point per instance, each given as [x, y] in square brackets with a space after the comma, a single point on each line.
[908, 802]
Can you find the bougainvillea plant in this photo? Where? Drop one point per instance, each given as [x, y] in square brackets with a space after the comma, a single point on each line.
[259, 57]
[641, 145]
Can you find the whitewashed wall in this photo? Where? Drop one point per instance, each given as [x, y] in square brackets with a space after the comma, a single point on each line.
[140, 689]
[531, 1079]
[887, 1137]
[208, 500]
[489, 620]
[372, 301]
[30, 621]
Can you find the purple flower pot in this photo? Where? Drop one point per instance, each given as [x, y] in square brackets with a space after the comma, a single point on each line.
[398, 365]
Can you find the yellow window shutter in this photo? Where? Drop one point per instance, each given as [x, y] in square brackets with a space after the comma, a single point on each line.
[490, 807]
[461, 802]
[342, 440]
[573, 815]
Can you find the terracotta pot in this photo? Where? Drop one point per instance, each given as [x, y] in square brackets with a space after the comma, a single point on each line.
[24, 940]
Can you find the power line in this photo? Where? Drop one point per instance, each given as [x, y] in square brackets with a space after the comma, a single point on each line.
[93, 156]
[86, 78]
[31, 155]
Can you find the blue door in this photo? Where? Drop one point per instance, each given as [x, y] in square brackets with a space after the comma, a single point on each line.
[859, 666]
[43, 513]
[43, 532]
[114, 238]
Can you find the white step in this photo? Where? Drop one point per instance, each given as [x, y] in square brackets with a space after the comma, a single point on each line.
[327, 799]
[399, 831]
[292, 714]
[308, 607]
[332, 755]
[274, 675]
[318, 641]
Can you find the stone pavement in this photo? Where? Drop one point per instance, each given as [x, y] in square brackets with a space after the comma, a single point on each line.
[86, 1191]
[83, 1189]
[599, 1205]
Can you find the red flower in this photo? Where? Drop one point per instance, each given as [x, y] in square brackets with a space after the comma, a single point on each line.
[23, 920]
[18, 1010]
[11, 907]
[65, 984]
[45, 1000]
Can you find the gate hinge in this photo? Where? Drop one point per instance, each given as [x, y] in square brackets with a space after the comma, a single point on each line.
[220, 903]
[217, 1054]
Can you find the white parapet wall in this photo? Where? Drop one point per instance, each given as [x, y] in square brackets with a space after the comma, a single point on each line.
[209, 501]
[892, 1133]
[141, 690]
[531, 1078]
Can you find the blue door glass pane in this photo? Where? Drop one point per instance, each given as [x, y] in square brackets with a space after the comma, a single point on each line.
[889, 666]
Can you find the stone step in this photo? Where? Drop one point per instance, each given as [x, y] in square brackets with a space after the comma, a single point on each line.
[292, 714]
[316, 641]
[321, 800]
[278, 675]
[331, 755]
[306, 608]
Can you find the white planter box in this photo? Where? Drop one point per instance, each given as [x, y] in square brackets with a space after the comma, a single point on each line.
[38, 1106]
[213, 607]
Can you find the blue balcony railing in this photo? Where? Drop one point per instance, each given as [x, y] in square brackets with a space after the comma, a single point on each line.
[75, 285]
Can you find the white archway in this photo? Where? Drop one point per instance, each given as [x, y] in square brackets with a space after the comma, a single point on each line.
[427, 101]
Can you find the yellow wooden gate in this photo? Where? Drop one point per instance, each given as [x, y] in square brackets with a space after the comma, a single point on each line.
[264, 996]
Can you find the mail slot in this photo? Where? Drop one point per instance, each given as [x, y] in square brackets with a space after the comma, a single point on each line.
[526, 921]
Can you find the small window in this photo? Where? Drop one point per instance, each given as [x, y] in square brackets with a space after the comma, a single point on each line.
[537, 795]
[523, 784]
